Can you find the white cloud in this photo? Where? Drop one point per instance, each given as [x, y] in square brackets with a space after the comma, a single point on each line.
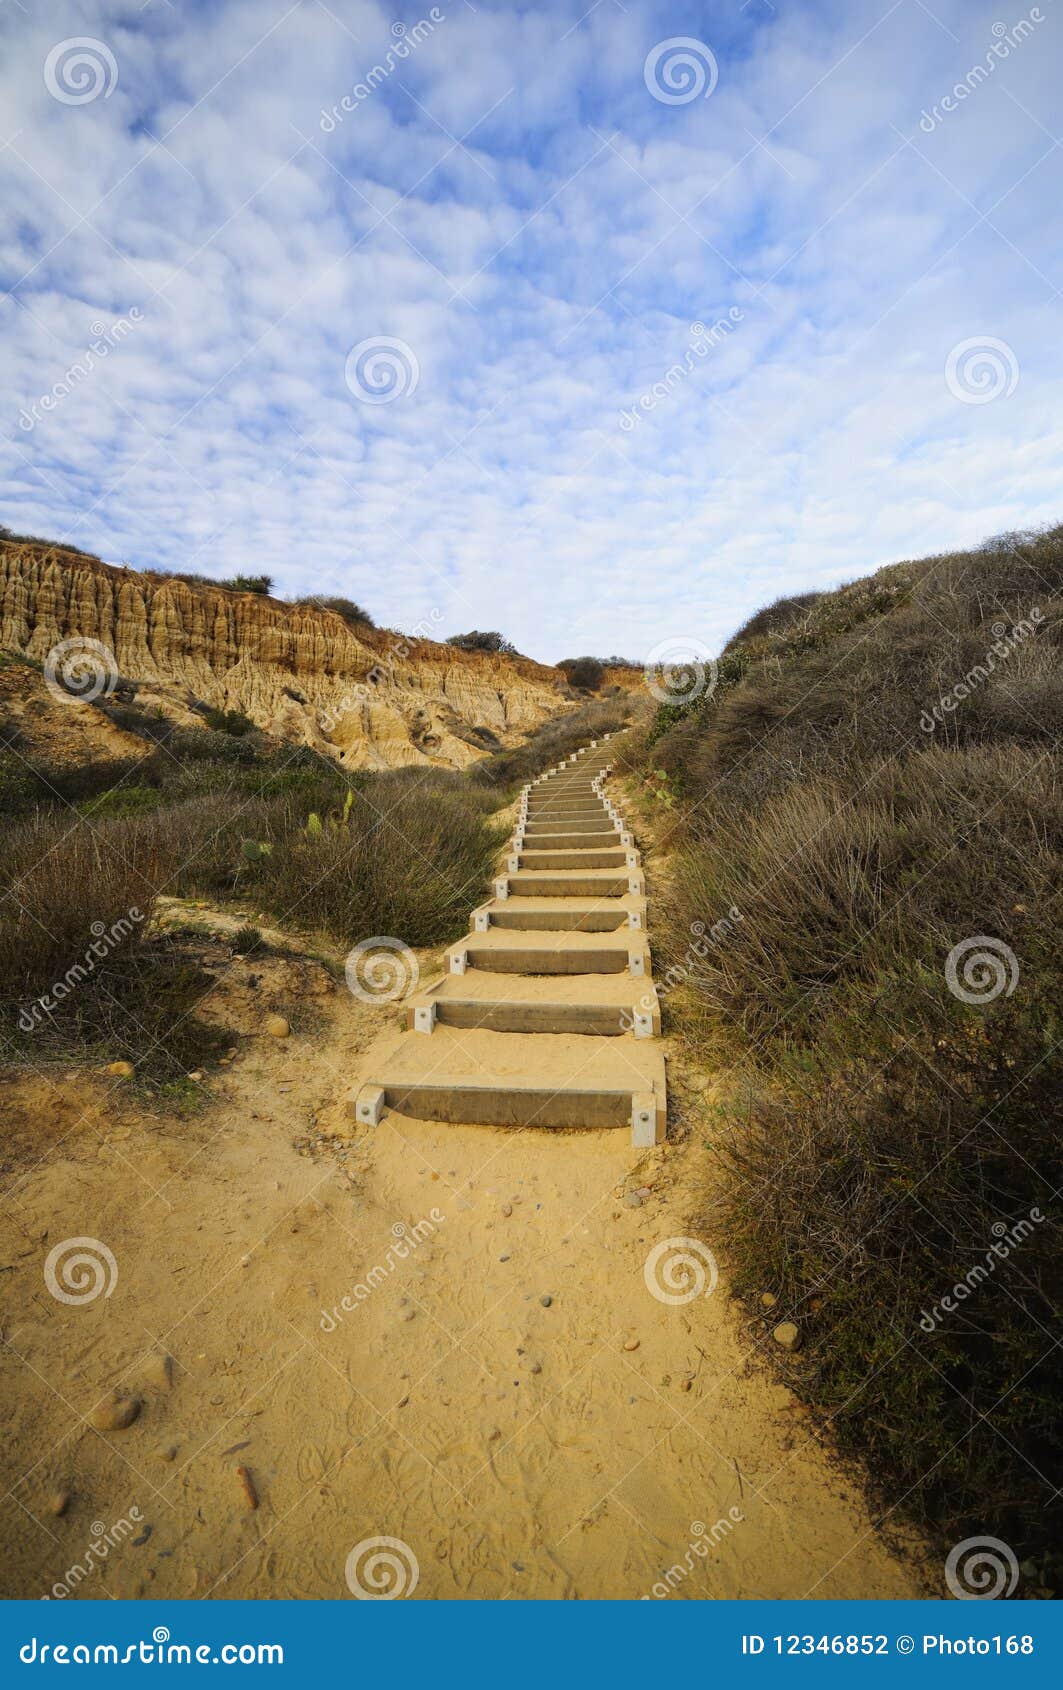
[545, 273]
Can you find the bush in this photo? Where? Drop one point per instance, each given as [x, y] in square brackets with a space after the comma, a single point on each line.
[888, 1132]
[232, 722]
[410, 857]
[584, 672]
[477, 641]
[247, 584]
[351, 612]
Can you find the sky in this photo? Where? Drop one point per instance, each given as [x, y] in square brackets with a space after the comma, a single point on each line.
[599, 325]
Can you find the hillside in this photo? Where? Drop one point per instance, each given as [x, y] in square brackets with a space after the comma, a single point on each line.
[369, 697]
[864, 810]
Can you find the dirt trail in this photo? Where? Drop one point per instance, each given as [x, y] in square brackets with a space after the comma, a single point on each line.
[518, 1448]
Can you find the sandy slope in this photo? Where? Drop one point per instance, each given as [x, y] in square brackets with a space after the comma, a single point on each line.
[517, 1450]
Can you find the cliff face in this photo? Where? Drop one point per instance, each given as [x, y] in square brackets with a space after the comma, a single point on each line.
[367, 696]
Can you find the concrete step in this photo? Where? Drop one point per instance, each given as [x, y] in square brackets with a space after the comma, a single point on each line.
[605, 840]
[547, 1013]
[602, 1005]
[585, 818]
[569, 951]
[541, 915]
[614, 856]
[595, 827]
[576, 883]
[477, 1076]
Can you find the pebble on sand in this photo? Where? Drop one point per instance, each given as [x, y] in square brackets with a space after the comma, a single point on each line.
[59, 1502]
[768, 1299]
[115, 1413]
[247, 1485]
[787, 1335]
[631, 1343]
[160, 1372]
[277, 1027]
[121, 1070]
[507, 1208]
[546, 1300]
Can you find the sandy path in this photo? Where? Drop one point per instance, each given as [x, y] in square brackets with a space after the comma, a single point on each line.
[517, 1449]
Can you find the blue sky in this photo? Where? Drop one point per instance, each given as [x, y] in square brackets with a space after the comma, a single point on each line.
[851, 271]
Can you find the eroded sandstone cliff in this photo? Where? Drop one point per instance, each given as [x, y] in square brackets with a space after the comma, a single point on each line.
[370, 697]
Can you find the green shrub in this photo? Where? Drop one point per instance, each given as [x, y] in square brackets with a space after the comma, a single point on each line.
[232, 722]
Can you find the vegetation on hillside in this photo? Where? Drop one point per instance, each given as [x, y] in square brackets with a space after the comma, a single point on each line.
[221, 812]
[871, 794]
[480, 641]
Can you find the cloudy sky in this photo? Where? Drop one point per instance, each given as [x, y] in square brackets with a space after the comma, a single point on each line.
[682, 306]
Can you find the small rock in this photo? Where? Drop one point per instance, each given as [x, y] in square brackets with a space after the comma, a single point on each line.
[536, 1366]
[121, 1070]
[633, 1200]
[58, 1502]
[115, 1413]
[160, 1372]
[276, 1026]
[546, 1300]
[143, 1538]
[507, 1208]
[768, 1299]
[631, 1343]
[787, 1335]
[168, 1452]
[196, 1074]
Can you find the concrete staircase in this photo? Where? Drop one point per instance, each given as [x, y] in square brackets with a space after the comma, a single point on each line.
[547, 1015]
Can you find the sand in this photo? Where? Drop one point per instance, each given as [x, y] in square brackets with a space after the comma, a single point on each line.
[600, 1444]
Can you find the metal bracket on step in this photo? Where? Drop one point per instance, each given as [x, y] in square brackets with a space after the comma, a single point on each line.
[502, 887]
[424, 1017]
[636, 963]
[458, 961]
[480, 919]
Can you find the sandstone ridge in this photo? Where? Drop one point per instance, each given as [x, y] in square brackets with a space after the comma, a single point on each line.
[370, 697]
